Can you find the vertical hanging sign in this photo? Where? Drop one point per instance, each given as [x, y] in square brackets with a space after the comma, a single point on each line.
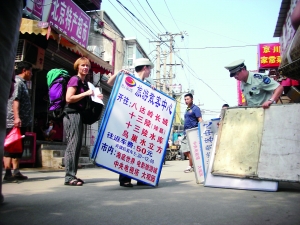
[135, 130]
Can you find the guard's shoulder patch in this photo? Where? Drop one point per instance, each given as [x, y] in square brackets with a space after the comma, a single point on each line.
[266, 80]
[257, 75]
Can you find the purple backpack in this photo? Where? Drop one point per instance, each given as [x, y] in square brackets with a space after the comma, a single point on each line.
[57, 80]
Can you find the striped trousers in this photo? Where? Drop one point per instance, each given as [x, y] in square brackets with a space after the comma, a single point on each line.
[74, 128]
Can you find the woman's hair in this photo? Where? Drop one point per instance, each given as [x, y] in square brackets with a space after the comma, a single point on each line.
[81, 60]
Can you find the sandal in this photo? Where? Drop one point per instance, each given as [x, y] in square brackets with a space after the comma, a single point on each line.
[74, 182]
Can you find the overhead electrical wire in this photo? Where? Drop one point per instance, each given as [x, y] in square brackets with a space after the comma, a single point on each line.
[171, 15]
[139, 24]
[194, 75]
[136, 18]
[149, 16]
[142, 15]
[127, 19]
[212, 47]
[156, 16]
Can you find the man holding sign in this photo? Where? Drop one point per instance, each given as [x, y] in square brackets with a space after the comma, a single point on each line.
[143, 68]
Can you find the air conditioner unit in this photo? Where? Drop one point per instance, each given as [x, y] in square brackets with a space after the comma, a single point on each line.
[31, 53]
[95, 50]
[128, 68]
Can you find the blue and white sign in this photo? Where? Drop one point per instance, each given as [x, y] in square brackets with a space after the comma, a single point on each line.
[134, 132]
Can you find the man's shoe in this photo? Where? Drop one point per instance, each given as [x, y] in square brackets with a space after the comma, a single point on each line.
[20, 176]
[188, 170]
[9, 178]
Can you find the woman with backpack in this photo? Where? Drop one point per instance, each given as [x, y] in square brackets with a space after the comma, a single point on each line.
[77, 91]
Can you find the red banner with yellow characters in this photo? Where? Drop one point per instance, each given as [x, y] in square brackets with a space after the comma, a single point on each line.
[269, 55]
[241, 98]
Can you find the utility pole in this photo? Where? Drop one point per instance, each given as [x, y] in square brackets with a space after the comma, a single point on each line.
[167, 79]
[158, 83]
[165, 71]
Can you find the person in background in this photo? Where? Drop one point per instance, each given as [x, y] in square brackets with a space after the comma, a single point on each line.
[10, 19]
[77, 91]
[258, 89]
[170, 143]
[142, 68]
[18, 115]
[224, 107]
[179, 144]
[192, 117]
[49, 132]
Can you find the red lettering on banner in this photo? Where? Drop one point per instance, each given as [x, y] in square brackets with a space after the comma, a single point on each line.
[160, 140]
[143, 142]
[136, 172]
[136, 128]
[152, 136]
[144, 132]
[157, 118]
[131, 170]
[131, 115]
[151, 168]
[128, 124]
[134, 104]
[132, 160]
[151, 146]
[123, 157]
[159, 149]
[134, 138]
[139, 119]
[147, 123]
[142, 110]
[150, 114]
[125, 133]
[116, 163]
[165, 122]
[126, 168]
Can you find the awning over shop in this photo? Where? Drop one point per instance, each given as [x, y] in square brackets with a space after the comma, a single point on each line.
[43, 28]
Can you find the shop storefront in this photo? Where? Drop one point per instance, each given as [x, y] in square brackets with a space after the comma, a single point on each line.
[46, 49]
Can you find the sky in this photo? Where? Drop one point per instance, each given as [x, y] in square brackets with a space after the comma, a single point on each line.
[213, 25]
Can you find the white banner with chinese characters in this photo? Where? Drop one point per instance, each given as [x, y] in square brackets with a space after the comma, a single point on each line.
[134, 132]
[207, 130]
[194, 146]
[200, 142]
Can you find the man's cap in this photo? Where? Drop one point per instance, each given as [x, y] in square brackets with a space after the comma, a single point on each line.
[235, 66]
[143, 62]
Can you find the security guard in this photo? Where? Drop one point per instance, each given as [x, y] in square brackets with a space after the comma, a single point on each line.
[258, 89]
